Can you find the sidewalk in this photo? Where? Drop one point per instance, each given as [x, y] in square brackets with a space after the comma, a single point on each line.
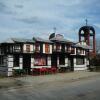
[35, 80]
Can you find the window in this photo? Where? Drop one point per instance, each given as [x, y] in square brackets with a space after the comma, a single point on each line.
[72, 50]
[1, 60]
[27, 48]
[69, 49]
[80, 61]
[40, 61]
[16, 60]
[47, 48]
[82, 51]
[9, 48]
[78, 51]
[58, 47]
[17, 48]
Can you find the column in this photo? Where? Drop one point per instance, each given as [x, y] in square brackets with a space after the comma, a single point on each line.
[58, 61]
[32, 61]
[21, 62]
[86, 64]
[66, 62]
[10, 65]
[74, 61]
[50, 48]
[43, 48]
[49, 61]
[75, 51]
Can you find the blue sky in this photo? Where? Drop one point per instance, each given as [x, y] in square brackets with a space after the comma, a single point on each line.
[28, 18]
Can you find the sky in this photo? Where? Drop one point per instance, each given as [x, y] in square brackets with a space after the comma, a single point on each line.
[28, 18]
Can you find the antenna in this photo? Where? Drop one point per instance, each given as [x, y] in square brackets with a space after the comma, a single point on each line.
[54, 29]
[86, 22]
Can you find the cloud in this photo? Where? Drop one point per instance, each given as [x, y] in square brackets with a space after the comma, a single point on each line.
[30, 20]
[36, 17]
[19, 6]
[4, 9]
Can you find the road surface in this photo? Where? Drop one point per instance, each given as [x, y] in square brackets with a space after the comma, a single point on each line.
[82, 89]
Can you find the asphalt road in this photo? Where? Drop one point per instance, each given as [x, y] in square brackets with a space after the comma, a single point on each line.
[83, 89]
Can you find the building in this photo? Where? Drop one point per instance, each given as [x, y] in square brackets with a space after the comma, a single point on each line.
[87, 34]
[37, 53]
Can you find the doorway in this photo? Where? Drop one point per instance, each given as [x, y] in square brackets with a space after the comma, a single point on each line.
[54, 60]
[71, 64]
[27, 63]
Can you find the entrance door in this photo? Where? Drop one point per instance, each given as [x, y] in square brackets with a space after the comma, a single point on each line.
[27, 63]
[54, 60]
[71, 64]
[62, 59]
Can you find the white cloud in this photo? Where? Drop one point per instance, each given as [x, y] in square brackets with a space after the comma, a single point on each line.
[36, 17]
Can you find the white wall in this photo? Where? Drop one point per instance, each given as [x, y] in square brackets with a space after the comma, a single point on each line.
[80, 67]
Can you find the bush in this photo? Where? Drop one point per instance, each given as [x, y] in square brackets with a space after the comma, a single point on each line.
[95, 62]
